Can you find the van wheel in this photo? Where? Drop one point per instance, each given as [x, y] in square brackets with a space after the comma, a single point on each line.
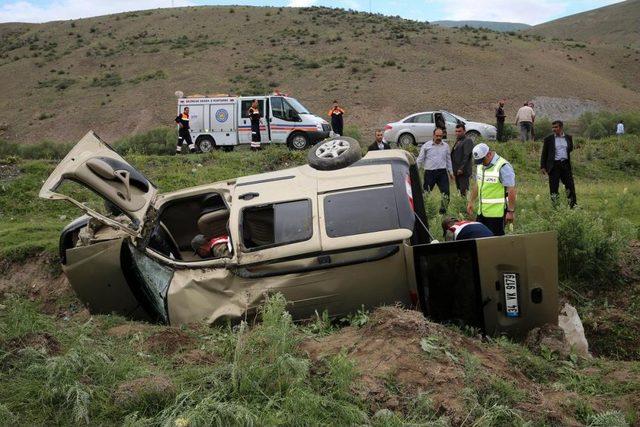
[298, 141]
[205, 144]
[473, 135]
[406, 139]
[334, 153]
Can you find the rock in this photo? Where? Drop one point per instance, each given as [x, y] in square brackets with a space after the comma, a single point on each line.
[138, 392]
[569, 321]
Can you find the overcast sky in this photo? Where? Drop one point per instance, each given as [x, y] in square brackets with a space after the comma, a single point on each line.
[526, 11]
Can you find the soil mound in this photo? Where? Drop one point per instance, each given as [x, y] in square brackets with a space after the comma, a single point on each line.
[43, 342]
[148, 389]
[168, 341]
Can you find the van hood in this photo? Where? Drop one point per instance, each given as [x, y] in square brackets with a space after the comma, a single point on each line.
[314, 119]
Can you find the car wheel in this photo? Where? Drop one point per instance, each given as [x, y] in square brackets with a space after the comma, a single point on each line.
[298, 141]
[406, 139]
[473, 135]
[334, 153]
[205, 144]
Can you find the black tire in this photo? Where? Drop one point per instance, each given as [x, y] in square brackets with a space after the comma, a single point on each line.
[298, 141]
[205, 144]
[473, 135]
[227, 148]
[334, 153]
[406, 139]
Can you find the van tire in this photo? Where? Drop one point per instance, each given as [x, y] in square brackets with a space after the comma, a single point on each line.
[298, 141]
[346, 150]
[205, 144]
[406, 139]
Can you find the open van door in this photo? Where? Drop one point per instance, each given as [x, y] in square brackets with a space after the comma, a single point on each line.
[95, 165]
[502, 285]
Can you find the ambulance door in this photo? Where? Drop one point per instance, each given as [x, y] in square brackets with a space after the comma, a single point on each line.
[196, 117]
[281, 123]
[244, 122]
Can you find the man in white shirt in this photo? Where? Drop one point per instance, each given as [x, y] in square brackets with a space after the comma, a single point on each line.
[620, 129]
[435, 158]
[524, 119]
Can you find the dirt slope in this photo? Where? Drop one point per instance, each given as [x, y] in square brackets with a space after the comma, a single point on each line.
[117, 74]
[618, 24]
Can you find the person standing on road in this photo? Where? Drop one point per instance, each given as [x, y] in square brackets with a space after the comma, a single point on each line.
[555, 162]
[379, 143]
[524, 119]
[500, 118]
[461, 159]
[337, 118]
[254, 116]
[620, 129]
[184, 135]
[495, 189]
[435, 158]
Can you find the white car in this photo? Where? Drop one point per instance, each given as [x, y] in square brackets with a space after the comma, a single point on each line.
[418, 128]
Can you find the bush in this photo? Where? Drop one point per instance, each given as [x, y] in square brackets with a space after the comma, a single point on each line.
[157, 141]
[603, 123]
[589, 243]
[542, 127]
[41, 150]
[510, 132]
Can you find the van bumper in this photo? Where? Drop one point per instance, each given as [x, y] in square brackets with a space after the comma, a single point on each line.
[317, 136]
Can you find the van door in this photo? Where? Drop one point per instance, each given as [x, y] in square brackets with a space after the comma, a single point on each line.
[244, 122]
[502, 285]
[283, 119]
[97, 166]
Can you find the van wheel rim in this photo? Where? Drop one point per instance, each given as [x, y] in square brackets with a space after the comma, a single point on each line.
[299, 142]
[205, 146]
[332, 149]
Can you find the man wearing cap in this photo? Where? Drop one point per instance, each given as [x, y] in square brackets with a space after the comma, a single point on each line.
[454, 229]
[435, 157]
[216, 247]
[495, 189]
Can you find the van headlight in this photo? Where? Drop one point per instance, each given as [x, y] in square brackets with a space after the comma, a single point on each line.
[318, 127]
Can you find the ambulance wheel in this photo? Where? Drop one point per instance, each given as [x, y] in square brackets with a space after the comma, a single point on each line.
[334, 153]
[298, 141]
[205, 144]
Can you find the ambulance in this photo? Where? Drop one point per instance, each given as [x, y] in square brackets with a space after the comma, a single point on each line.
[223, 121]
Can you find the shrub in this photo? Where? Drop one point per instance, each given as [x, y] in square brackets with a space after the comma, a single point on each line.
[108, 79]
[157, 141]
[510, 131]
[542, 127]
[603, 123]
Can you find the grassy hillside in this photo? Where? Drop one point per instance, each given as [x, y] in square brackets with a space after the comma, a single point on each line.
[616, 24]
[490, 25]
[117, 74]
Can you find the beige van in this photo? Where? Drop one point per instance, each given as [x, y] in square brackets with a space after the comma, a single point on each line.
[337, 234]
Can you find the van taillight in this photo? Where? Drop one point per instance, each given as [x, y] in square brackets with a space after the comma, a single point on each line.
[407, 185]
[388, 127]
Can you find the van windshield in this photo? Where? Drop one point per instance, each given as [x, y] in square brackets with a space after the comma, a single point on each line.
[301, 109]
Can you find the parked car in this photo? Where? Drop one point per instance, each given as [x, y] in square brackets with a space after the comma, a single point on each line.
[418, 128]
[337, 234]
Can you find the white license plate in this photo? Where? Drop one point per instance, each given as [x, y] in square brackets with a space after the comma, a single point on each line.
[511, 306]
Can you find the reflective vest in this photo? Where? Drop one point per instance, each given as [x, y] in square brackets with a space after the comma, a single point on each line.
[491, 193]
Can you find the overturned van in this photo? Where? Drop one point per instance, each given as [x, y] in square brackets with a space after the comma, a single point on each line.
[340, 233]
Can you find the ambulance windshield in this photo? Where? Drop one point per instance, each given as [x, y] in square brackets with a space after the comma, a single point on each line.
[301, 109]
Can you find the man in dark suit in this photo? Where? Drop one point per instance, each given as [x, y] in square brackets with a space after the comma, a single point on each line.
[379, 143]
[555, 162]
[461, 159]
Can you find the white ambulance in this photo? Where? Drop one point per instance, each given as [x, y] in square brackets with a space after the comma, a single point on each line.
[223, 121]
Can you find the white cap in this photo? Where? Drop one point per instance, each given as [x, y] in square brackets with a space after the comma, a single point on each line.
[480, 151]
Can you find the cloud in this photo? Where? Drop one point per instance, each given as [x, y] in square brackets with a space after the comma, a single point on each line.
[31, 11]
[528, 11]
[301, 3]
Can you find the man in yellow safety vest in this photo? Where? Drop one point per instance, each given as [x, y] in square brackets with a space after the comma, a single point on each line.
[495, 189]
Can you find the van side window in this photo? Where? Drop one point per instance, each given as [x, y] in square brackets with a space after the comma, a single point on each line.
[359, 212]
[283, 110]
[276, 224]
[246, 104]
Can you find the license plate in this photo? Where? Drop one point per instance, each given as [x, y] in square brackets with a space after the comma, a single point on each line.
[511, 306]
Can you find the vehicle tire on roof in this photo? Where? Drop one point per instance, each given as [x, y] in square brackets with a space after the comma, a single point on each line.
[205, 144]
[334, 153]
